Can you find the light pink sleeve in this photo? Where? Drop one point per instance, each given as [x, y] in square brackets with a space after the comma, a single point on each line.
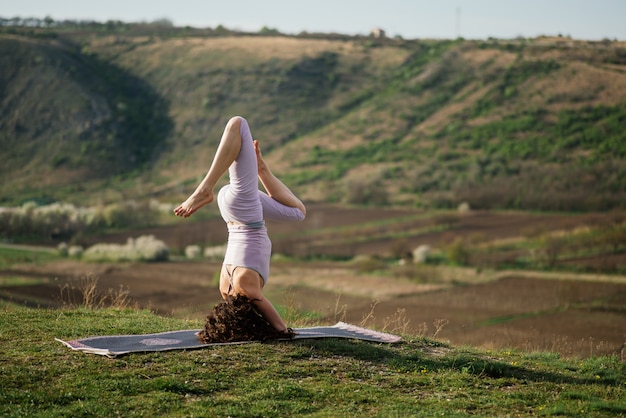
[273, 210]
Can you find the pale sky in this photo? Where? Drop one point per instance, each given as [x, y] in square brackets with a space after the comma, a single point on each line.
[471, 19]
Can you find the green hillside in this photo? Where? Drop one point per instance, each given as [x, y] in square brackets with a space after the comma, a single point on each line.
[68, 116]
[104, 114]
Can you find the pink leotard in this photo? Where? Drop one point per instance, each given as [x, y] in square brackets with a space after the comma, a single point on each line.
[244, 208]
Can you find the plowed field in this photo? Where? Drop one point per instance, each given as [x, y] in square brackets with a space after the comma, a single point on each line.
[572, 314]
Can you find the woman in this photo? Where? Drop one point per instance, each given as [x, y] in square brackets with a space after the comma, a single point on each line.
[245, 208]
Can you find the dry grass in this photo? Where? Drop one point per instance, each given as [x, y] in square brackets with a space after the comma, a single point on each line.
[489, 58]
[464, 100]
[397, 323]
[91, 297]
[576, 85]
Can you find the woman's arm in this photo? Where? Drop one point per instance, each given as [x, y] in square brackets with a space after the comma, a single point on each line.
[273, 210]
[275, 188]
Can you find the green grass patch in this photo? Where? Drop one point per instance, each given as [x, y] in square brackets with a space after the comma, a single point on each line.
[32, 255]
[22, 281]
[419, 377]
[509, 318]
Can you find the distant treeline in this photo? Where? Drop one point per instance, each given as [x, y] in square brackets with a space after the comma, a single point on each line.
[48, 22]
[164, 27]
[49, 27]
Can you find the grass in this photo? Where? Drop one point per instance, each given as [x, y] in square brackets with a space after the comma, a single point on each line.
[419, 377]
[22, 280]
[16, 255]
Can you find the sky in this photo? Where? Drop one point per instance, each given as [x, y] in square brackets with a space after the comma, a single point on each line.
[410, 19]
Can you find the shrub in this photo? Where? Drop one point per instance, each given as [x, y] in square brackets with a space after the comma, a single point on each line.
[129, 213]
[63, 249]
[75, 251]
[421, 273]
[192, 251]
[464, 207]
[458, 252]
[553, 247]
[215, 253]
[400, 249]
[143, 248]
[613, 236]
[64, 220]
[50, 221]
[421, 253]
[368, 263]
[360, 192]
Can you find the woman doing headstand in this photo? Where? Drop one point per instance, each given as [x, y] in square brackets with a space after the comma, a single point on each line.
[245, 208]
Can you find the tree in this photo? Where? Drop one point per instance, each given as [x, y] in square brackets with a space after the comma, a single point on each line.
[458, 252]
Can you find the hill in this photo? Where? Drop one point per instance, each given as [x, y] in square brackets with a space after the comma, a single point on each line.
[419, 377]
[95, 115]
[68, 117]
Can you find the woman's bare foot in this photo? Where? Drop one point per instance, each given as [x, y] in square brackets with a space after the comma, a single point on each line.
[193, 203]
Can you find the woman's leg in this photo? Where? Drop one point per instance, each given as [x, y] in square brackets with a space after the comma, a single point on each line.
[275, 188]
[227, 151]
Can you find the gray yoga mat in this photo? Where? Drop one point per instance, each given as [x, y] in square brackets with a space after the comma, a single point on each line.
[116, 345]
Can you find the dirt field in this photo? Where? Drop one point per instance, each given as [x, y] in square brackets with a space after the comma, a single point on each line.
[576, 315]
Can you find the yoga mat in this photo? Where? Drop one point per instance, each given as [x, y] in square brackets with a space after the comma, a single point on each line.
[116, 345]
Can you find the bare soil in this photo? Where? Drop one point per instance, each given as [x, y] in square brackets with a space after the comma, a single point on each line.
[575, 315]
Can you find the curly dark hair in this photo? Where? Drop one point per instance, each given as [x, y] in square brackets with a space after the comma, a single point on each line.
[239, 320]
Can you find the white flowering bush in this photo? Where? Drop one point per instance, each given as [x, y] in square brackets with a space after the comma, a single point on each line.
[192, 251]
[143, 248]
[58, 219]
[421, 253]
[464, 208]
[63, 249]
[64, 220]
[215, 253]
[75, 251]
[129, 213]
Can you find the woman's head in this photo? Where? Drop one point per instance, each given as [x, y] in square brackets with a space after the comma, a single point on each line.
[238, 320]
